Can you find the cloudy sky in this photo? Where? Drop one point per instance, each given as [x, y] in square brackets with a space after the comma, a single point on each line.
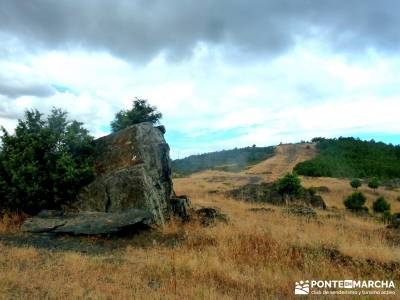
[224, 73]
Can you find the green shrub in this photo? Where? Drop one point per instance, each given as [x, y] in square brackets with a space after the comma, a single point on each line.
[44, 163]
[289, 185]
[380, 205]
[355, 183]
[355, 201]
[374, 183]
[141, 111]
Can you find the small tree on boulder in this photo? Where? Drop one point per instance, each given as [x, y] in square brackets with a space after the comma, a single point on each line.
[380, 205]
[355, 183]
[355, 201]
[140, 112]
[289, 185]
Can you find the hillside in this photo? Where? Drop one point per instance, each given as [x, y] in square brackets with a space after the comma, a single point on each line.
[257, 254]
[285, 158]
[349, 157]
[226, 160]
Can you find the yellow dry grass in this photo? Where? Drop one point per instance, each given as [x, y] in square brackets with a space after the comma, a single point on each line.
[255, 256]
[340, 189]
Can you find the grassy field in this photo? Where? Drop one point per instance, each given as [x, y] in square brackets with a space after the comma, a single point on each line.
[257, 255]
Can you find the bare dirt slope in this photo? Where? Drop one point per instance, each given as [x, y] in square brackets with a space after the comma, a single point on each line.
[285, 159]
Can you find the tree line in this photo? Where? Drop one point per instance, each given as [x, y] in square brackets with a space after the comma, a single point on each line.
[352, 158]
[233, 160]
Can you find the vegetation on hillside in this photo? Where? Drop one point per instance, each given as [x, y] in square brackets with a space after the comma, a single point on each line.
[140, 112]
[44, 163]
[289, 185]
[380, 205]
[356, 202]
[286, 190]
[355, 183]
[226, 160]
[352, 158]
[374, 183]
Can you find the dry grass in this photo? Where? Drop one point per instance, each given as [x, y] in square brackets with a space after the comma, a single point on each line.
[9, 223]
[340, 189]
[254, 256]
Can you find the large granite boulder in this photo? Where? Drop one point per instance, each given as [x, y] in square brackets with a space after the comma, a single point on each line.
[133, 171]
[133, 184]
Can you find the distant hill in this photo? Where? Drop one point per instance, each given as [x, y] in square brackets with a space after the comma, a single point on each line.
[233, 160]
[350, 157]
[286, 157]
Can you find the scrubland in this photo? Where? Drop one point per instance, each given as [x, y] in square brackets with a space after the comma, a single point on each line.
[257, 255]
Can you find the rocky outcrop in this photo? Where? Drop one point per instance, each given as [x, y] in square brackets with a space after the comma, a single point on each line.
[303, 211]
[267, 192]
[133, 185]
[209, 215]
[133, 171]
[263, 192]
[317, 201]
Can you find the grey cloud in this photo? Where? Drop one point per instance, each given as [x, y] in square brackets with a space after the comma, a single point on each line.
[14, 88]
[138, 30]
[7, 110]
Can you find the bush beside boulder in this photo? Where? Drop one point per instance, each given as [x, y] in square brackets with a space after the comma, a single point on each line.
[132, 183]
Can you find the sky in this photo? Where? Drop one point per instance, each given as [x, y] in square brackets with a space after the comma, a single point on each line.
[224, 73]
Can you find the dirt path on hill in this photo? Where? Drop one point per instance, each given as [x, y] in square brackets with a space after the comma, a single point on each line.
[285, 159]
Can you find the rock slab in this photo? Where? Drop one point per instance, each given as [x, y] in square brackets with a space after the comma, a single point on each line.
[86, 223]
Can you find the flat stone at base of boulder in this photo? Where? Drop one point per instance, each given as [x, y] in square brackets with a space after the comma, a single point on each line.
[86, 223]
